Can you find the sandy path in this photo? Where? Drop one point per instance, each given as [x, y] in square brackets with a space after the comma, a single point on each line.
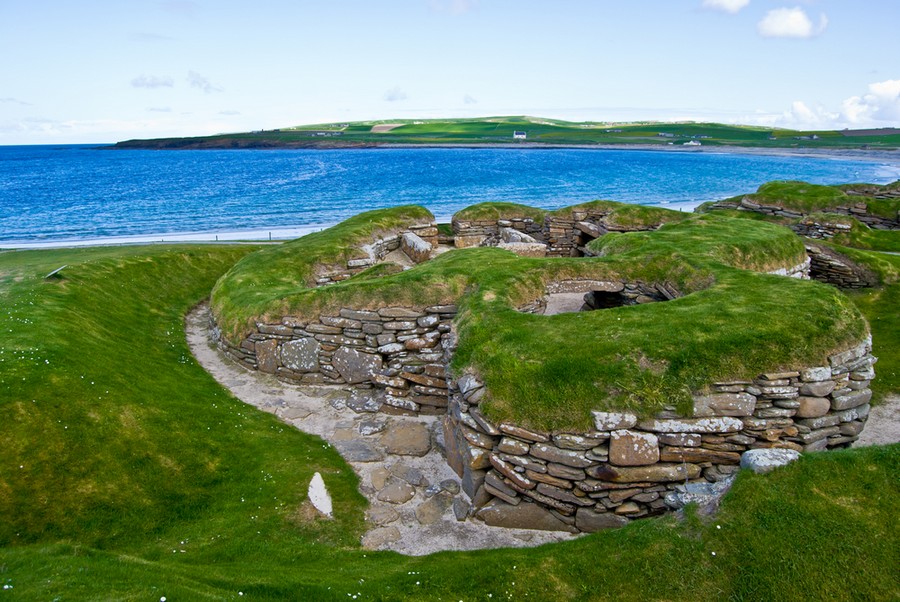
[883, 425]
[424, 523]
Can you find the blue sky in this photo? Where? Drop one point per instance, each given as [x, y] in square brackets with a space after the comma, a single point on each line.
[104, 70]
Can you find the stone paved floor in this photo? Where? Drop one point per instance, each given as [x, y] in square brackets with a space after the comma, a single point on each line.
[414, 497]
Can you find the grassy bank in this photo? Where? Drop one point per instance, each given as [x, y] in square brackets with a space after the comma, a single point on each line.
[145, 479]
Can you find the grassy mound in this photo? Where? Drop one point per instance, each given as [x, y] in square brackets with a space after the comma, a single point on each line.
[497, 210]
[145, 479]
[283, 269]
[806, 198]
[549, 371]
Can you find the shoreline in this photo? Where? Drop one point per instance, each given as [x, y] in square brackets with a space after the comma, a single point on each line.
[892, 156]
[273, 235]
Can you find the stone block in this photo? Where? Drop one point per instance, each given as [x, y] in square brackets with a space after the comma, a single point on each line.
[633, 448]
[301, 355]
[818, 389]
[724, 404]
[523, 433]
[522, 516]
[656, 473]
[765, 460]
[267, 356]
[589, 521]
[417, 249]
[407, 439]
[838, 402]
[576, 442]
[551, 453]
[565, 472]
[403, 313]
[680, 439]
[464, 241]
[513, 446]
[611, 421]
[725, 424]
[355, 366]
[698, 455]
[812, 407]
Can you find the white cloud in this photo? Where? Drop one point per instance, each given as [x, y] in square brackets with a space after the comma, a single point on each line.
[454, 7]
[469, 100]
[15, 101]
[790, 23]
[880, 104]
[395, 94]
[229, 113]
[159, 110]
[152, 81]
[879, 107]
[729, 6]
[198, 81]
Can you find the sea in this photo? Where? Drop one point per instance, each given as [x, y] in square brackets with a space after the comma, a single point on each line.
[88, 194]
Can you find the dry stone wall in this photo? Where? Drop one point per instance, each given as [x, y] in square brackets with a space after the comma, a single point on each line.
[833, 268]
[396, 350]
[563, 235]
[809, 227]
[419, 243]
[628, 468]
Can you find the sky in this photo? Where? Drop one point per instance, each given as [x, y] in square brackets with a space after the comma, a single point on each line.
[91, 71]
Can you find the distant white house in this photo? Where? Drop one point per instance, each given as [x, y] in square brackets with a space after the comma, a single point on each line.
[693, 143]
[520, 135]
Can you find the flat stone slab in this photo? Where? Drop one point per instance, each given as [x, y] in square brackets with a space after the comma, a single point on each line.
[396, 492]
[407, 439]
[523, 516]
[357, 450]
[762, 461]
[355, 366]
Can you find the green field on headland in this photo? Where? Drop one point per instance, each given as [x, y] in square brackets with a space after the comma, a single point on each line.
[534, 132]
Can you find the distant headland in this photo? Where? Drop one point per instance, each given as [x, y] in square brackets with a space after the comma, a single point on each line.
[533, 132]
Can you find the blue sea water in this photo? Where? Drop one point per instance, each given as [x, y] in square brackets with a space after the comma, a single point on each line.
[68, 193]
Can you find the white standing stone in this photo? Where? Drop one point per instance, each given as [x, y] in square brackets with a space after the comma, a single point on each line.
[319, 496]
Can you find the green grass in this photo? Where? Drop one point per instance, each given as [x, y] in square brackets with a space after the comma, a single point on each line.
[549, 372]
[290, 267]
[808, 198]
[100, 491]
[498, 210]
[876, 251]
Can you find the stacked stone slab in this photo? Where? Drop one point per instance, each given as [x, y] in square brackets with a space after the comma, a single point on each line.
[472, 233]
[398, 351]
[375, 252]
[624, 467]
[829, 266]
[819, 229]
[565, 236]
[857, 210]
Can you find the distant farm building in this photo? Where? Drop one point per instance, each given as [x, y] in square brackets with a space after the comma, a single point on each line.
[692, 143]
[665, 135]
[519, 135]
